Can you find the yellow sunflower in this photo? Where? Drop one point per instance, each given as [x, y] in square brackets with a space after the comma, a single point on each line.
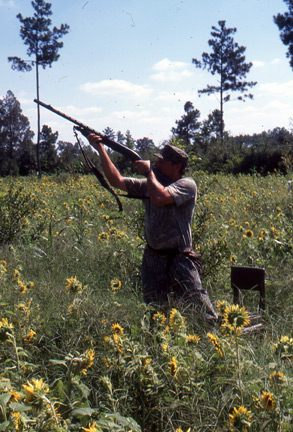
[117, 329]
[115, 284]
[173, 366]
[159, 318]
[5, 329]
[29, 337]
[215, 341]
[277, 377]
[35, 389]
[235, 318]
[91, 428]
[88, 361]
[267, 401]
[240, 419]
[176, 321]
[192, 339]
[221, 307]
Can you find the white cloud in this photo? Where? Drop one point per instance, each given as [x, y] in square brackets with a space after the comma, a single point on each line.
[168, 71]
[248, 119]
[258, 64]
[276, 61]
[117, 88]
[276, 89]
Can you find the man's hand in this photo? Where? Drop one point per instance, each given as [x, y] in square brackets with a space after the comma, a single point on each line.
[95, 141]
[142, 166]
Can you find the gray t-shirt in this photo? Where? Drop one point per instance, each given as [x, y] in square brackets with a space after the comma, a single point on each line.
[168, 226]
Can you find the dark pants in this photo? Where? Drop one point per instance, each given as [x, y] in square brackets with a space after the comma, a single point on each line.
[164, 277]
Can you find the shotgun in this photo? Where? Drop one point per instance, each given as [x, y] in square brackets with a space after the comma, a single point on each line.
[86, 130]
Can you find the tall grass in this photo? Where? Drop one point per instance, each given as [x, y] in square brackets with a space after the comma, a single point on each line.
[76, 346]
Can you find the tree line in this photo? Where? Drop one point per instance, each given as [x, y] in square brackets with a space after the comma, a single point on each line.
[201, 139]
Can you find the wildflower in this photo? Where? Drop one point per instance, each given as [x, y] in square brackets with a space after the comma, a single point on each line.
[5, 329]
[117, 329]
[165, 347]
[235, 318]
[88, 361]
[284, 347]
[267, 401]
[176, 321]
[240, 419]
[74, 307]
[173, 366]
[115, 284]
[221, 306]
[35, 390]
[103, 236]
[16, 274]
[117, 340]
[17, 420]
[249, 233]
[91, 426]
[25, 308]
[232, 258]
[192, 339]
[74, 286]
[22, 286]
[147, 362]
[3, 269]
[29, 337]
[215, 341]
[159, 318]
[277, 377]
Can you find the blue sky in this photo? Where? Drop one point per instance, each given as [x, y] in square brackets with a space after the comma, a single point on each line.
[127, 64]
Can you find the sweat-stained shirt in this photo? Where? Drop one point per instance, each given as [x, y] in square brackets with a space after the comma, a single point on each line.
[168, 226]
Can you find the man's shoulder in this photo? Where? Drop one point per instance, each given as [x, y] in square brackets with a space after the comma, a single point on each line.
[187, 182]
[136, 186]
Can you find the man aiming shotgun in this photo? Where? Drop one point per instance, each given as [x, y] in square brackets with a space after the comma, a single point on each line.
[169, 266]
[169, 263]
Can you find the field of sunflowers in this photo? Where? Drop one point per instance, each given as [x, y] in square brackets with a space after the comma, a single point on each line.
[78, 351]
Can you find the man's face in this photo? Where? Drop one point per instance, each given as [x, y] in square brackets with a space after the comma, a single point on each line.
[167, 167]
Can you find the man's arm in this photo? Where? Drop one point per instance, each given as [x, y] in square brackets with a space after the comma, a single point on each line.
[159, 195]
[111, 172]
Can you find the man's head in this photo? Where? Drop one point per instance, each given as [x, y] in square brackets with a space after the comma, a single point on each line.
[174, 155]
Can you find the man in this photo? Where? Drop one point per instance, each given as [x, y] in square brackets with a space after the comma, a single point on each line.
[169, 266]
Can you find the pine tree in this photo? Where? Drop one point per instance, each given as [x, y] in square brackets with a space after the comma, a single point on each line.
[15, 138]
[43, 46]
[188, 126]
[285, 24]
[227, 61]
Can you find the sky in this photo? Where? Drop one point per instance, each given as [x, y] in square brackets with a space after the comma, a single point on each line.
[127, 65]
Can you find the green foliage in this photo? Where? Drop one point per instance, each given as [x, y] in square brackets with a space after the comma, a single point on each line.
[285, 25]
[16, 206]
[16, 147]
[78, 349]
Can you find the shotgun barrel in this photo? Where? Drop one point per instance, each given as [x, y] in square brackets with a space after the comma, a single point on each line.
[86, 130]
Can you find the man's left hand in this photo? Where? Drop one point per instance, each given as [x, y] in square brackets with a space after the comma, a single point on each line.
[142, 166]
